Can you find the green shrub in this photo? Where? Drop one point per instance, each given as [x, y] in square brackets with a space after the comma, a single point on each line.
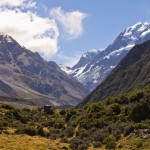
[41, 132]
[58, 125]
[69, 131]
[83, 134]
[99, 136]
[94, 107]
[32, 131]
[111, 145]
[96, 144]
[51, 123]
[116, 108]
[70, 114]
[120, 146]
[18, 116]
[64, 148]
[110, 142]
[137, 97]
[140, 111]
[8, 107]
[62, 112]
[138, 144]
[117, 134]
[64, 140]
[83, 146]
[129, 129]
[109, 139]
[78, 144]
[74, 143]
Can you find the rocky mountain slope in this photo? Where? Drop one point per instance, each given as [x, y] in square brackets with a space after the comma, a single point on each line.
[93, 68]
[133, 72]
[24, 74]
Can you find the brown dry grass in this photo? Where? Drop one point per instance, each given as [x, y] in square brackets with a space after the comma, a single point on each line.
[25, 142]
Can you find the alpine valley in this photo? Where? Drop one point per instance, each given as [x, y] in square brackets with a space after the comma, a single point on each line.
[114, 116]
[25, 75]
[102, 102]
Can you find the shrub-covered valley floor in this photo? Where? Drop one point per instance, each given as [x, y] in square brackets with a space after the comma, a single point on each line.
[120, 122]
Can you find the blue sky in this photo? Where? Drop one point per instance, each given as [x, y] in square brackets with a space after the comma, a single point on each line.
[105, 20]
[102, 21]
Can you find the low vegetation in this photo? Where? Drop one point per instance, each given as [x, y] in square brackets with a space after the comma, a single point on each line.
[121, 122]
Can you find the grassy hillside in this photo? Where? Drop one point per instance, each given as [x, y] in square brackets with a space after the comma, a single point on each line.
[121, 122]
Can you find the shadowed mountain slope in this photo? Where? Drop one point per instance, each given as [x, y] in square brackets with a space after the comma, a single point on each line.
[133, 72]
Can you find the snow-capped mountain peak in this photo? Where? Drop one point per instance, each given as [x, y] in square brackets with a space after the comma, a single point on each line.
[94, 66]
[90, 54]
[86, 58]
[66, 69]
[138, 30]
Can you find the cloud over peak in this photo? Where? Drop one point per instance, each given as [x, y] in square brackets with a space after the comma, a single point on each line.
[28, 28]
[72, 21]
[21, 20]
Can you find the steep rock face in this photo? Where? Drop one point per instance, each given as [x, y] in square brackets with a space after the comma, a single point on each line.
[133, 72]
[96, 69]
[32, 77]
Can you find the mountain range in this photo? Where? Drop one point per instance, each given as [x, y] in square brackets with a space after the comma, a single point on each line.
[24, 74]
[94, 66]
[132, 73]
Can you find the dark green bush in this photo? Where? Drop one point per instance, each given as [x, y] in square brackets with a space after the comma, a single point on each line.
[139, 144]
[116, 108]
[74, 143]
[62, 112]
[8, 107]
[83, 146]
[129, 129]
[137, 97]
[96, 144]
[83, 134]
[64, 140]
[99, 136]
[110, 142]
[32, 131]
[58, 125]
[41, 132]
[111, 145]
[140, 111]
[109, 139]
[70, 114]
[18, 116]
[69, 132]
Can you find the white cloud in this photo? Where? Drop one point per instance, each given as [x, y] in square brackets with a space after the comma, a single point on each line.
[30, 30]
[36, 33]
[17, 3]
[72, 22]
[66, 60]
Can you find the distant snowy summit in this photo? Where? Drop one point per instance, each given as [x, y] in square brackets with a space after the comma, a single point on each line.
[94, 66]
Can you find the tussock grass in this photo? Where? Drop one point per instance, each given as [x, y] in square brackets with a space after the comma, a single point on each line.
[25, 142]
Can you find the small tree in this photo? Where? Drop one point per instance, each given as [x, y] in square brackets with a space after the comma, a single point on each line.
[110, 142]
[69, 115]
[140, 111]
[116, 108]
